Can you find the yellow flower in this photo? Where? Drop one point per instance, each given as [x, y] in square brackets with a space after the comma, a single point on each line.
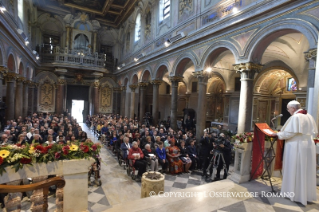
[31, 150]
[74, 147]
[4, 153]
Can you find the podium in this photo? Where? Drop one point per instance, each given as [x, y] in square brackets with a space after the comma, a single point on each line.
[259, 158]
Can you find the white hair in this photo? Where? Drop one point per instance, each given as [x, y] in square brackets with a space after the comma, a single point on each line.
[294, 104]
[147, 145]
[134, 142]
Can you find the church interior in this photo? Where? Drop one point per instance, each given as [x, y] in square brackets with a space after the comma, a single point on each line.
[191, 68]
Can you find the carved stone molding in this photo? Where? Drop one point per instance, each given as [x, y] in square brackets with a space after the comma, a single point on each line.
[21, 79]
[143, 84]
[61, 82]
[311, 54]
[133, 87]
[176, 79]
[96, 84]
[247, 70]
[3, 70]
[117, 89]
[156, 82]
[10, 77]
[123, 88]
[201, 76]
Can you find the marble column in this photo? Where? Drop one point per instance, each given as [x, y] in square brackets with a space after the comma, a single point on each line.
[60, 95]
[3, 71]
[226, 108]
[247, 72]
[36, 97]
[132, 103]
[156, 84]
[31, 97]
[94, 41]
[201, 103]
[123, 96]
[311, 57]
[25, 98]
[142, 86]
[19, 97]
[10, 96]
[116, 100]
[96, 97]
[174, 80]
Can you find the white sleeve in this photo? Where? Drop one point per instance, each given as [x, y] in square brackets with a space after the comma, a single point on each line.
[285, 135]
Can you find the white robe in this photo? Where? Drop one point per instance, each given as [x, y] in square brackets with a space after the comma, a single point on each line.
[299, 160]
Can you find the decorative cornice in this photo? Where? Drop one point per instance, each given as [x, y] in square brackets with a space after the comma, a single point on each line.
[61, 82]
[156, 82]
[123, 88]
[3, 70]
[247, 70]
[176, 79]
[21, 79]
[133, 87]
[117, 89]
[311, 54]
[143, 84]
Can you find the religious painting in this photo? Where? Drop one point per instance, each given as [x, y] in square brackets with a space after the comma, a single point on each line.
[106, 99]
[46, 97]
[148, 20]
[291, 84]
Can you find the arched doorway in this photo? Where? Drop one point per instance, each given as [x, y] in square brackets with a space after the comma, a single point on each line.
[77, 100]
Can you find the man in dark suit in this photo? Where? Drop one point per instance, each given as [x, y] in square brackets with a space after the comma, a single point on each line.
[225, 148]
[192, 152]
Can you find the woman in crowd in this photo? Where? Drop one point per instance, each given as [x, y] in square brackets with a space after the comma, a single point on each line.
[151, 157]
[175, 163]
[50, 140]
[184, 156]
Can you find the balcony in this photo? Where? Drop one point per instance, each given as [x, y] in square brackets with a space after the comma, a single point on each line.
[81, 58]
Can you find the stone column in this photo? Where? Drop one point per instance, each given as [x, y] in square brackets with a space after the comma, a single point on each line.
[3, 71]
[132, 103]
[156, 84]
[25, 98]
[60, 95]
[123, 96]
[67, 42]
[96, 97]
[247, 72]
[311, 57]
[201, 103]
[31, 97]
[71, 41]
[226, 108]
[116, 100]
[142, 86]
[94, 41]
[19, 97]
[174, 80]
[36, 97]
[10, 97]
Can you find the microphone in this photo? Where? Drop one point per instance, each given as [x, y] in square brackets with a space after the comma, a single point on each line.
[280, 115]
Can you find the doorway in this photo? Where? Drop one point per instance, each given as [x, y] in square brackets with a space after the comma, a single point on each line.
[77, 110]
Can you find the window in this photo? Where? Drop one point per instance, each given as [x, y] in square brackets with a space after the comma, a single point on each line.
[20, 10]
[168, 89]
[237, 83]
[194, 87]
[49, 42]
[165, 8]
[138, 27]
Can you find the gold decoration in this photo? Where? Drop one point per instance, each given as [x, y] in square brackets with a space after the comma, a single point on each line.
[311, 54]
[156, 82]
[46, 96]
[133, 87]
[143, 84]
[61, 81]
[185, 5]
[10, 76]
[96, 84]
[176, 79]
[3, 70]
[247, 70]
[21, 79]
[105, 99]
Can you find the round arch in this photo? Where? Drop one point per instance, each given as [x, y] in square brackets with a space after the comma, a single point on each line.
[11, 64]
[261, 40]
[134, 79]
[161, 69]
[21, 69]
[181, 63]
[145, 76]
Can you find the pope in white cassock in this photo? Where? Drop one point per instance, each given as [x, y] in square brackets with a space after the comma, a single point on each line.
[299, 160]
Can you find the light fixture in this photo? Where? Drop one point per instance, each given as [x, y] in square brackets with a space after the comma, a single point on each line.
[139, 57]
[209, 69]
[120, 66]
[235, 10]
[26, 42]
[37, 57]
[2, 8]
[174, 39]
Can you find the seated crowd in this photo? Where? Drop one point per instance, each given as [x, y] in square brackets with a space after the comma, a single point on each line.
[143, 145]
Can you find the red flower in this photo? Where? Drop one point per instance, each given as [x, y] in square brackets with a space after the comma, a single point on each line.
[65, 150]
[1, 160]
[19, 145]
[41, 149]
[84, 148]
[94, 147]
[57, 155]
[25, 160]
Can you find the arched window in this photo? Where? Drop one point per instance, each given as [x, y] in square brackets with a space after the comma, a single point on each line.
[20, 10]
[138, 27]
[165, 8]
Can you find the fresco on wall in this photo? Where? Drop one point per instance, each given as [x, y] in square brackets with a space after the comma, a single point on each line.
[46, 97]
[106, 99]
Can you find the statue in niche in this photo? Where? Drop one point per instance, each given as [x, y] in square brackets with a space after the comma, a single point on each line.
[185, 6]
[148, 25]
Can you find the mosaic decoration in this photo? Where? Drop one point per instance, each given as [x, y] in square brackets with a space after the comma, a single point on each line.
[106, 99]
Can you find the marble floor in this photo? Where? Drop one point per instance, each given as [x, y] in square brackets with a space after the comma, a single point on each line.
[121, 193]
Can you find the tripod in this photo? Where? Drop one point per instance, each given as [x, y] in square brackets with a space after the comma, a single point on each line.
[215, 163]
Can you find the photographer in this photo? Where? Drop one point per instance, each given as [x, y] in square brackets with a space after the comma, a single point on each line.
[223, 145]
[206, 146]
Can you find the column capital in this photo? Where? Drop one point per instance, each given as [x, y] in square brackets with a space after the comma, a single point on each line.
[143, 84]
[176, 78]
[311, 54]
[21, 79]
[3, 70]
[156, 82]
[117, 89]
[133, 87]
[247, 70]
[123, 88]
[201, 76]
[11, 76]
[61, 81]
[96, 84]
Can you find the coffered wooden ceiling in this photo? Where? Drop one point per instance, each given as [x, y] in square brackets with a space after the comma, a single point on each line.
[107, 12]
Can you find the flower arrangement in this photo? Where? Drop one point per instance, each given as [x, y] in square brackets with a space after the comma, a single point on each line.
[244, 137]
[17, 156]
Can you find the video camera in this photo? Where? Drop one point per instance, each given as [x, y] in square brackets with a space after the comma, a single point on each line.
[220, 140]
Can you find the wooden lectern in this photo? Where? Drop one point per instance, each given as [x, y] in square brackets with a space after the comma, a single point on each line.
[258, 156]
